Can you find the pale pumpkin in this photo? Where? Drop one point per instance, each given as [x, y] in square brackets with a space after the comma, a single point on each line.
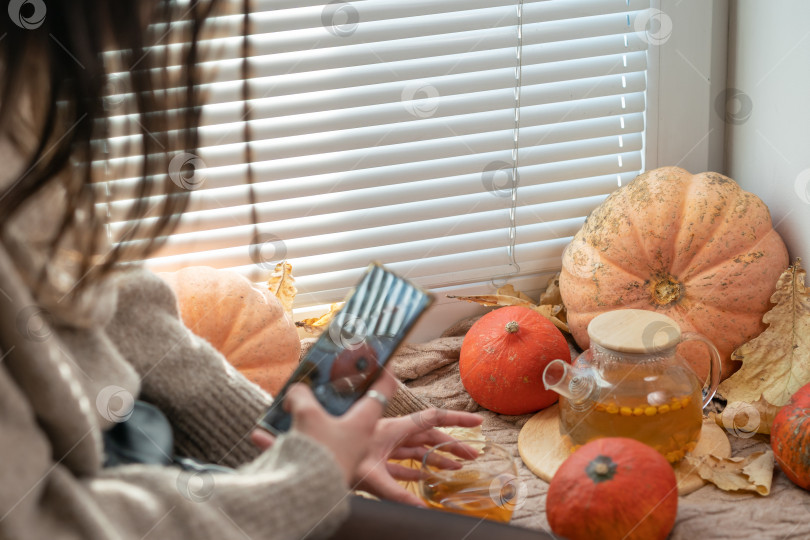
[696, 248]
[247, 324]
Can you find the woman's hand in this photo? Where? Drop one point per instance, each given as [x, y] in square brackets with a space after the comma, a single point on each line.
[363, 443]
[403, 438]
[348, 436]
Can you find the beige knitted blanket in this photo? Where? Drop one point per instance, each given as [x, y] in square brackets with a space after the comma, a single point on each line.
[430, 370]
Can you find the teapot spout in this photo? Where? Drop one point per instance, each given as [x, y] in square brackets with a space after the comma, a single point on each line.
[574, 383]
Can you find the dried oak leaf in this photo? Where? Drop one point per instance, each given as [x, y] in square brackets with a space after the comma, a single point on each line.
[509, 296]
[743, 418]
[751, 473]
[777, 362]
[282, 285]
[553, 297]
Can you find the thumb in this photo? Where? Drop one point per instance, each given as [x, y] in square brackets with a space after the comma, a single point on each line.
[262, 439]
[300, 402]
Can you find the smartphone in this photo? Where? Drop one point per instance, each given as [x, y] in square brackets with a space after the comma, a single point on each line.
[351, 352]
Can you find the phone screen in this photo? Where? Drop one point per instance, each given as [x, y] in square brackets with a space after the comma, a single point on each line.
[350, 353]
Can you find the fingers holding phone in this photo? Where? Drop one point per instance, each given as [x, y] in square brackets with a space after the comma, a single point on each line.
[351, 353]
[347, 436]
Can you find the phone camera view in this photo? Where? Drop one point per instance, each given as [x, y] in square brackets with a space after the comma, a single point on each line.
[350, 354]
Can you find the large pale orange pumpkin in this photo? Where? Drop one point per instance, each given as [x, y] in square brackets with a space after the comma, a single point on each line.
[695, 247]
[247, 324]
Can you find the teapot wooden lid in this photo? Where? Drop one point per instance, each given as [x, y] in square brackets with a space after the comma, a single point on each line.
[634, 331]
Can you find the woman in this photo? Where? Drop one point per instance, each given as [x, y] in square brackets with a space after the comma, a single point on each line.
[83, 341]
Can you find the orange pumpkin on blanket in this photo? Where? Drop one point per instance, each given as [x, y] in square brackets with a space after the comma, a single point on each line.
[503, 357]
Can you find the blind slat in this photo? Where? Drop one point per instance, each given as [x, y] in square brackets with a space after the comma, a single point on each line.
[224, 147]
[328, 101]
[283, 219]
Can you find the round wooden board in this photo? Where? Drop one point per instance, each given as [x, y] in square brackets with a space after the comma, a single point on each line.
[542, 449]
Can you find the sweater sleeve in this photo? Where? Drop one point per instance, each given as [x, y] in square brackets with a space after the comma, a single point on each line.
[211, 406]
[294, 490]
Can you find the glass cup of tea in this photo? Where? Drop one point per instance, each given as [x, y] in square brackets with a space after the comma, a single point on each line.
[480, 480]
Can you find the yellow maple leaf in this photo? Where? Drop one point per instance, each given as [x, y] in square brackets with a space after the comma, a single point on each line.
[777, 362]
[315, 325]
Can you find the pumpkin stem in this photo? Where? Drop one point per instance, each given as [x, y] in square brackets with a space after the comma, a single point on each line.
[512, 327]
[665, 290]
[602, 468]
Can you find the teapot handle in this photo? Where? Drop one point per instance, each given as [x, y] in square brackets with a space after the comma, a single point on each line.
[714, 366]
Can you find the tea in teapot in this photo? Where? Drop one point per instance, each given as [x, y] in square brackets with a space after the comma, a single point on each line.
[631, 383]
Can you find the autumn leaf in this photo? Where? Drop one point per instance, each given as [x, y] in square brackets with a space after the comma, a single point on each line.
[751, 473]
[509, 290]
[495, 300]
[552, 297]
[282, 285]
[315, 325]
[550, 305]
[744, 419]
[777, 362]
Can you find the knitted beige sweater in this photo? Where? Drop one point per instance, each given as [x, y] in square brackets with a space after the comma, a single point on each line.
[62, 384]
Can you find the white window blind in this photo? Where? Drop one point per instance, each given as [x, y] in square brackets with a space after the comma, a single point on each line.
[452, 140]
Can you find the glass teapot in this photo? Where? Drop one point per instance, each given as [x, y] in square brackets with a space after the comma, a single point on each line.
[631, 383]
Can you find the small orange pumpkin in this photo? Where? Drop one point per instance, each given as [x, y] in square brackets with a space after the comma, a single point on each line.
[613, 488]
[503, 357]
[248, 325]
[790, 438]
[696, 248]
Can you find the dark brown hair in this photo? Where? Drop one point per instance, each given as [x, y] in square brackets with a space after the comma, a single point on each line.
[57, 60]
